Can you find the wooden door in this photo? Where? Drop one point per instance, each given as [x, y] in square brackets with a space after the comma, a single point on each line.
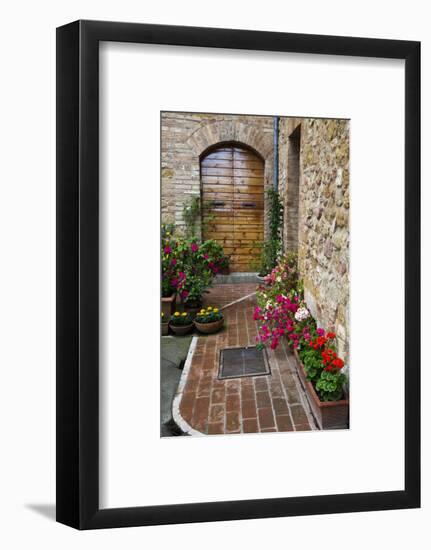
[233, 198]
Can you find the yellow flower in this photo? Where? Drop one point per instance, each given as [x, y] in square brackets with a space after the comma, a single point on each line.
[215, 310]
[177, 314]
[163, 314]
[168, 234]
[202, 311]
[184, 314]
[209, 308]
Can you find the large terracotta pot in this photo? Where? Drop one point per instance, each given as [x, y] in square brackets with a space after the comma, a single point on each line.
[168, 305]
[330, 415]
[181, 330]
[209, 328]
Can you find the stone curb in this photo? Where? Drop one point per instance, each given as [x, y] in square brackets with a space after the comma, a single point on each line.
[176, 415]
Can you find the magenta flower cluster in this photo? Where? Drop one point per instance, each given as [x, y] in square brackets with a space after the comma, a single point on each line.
[276, 321]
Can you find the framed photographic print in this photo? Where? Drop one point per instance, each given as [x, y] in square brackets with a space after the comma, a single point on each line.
[238, 274]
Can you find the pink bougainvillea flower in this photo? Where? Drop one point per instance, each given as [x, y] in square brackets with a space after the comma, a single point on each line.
[194, 247]
[206, 256]
[256, 313]
[173, 261]
[320, 332]
[167, 250]
[184, 294]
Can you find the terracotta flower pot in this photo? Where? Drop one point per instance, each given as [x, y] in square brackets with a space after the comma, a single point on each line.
[168, 305]
[330, 415]
[165, 329]
[209, 328]
[181, 330]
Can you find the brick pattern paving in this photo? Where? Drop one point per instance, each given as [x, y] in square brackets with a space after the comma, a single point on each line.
[267, 403]
[221, 295]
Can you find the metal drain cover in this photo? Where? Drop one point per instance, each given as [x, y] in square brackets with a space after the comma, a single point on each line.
[237, 362]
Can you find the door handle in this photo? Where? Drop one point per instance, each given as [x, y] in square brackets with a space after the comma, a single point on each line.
[217, 203]
[248, 205]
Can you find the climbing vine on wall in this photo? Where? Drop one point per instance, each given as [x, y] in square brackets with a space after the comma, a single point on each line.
[273, 244]
[191, 215]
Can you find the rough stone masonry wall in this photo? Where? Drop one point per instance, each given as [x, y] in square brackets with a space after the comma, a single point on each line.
[185, 136]
[323, 224]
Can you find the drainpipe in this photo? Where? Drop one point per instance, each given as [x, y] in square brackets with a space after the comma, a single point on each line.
[276, 119]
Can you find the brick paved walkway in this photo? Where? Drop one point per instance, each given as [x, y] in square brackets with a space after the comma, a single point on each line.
[269, 403]
[221, 295]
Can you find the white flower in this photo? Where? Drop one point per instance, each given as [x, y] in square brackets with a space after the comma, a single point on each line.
[301, 314]
[278, 279]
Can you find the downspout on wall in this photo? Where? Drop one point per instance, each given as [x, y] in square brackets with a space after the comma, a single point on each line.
[275, 177]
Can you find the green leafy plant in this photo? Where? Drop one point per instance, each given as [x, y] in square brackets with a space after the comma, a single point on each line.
[275, 224]
[193, 288]
[179, 319]
[270, 250]
[207, 216]
[191, 215]
[208, 315]
[330, 385]
[312, 361]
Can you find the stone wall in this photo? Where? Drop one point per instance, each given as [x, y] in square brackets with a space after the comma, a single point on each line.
[323, 222]
[185, 136]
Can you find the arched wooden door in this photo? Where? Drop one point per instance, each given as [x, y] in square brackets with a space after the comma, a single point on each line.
[233, 199]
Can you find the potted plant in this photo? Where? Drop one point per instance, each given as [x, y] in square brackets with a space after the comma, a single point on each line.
[169, 275]
[168, 300]
[192, 291]
[209, 320]
[181, 323]
[164, 324]
[320, 372]
[324, 387]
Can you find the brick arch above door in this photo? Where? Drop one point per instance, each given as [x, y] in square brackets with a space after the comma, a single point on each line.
[212, 134]
[208, 135]
[186, 136]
